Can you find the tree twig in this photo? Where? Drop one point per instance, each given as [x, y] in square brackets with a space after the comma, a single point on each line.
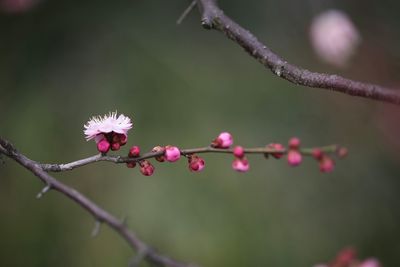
[212, 17]
[118, 159]
[99, 214]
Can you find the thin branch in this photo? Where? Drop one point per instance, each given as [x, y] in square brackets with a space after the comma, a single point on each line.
[100, 215]
[212, 17]
[184, 152]
[186, 12]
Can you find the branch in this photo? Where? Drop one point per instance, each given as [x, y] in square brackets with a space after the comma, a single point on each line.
[184, 152]
[100, 215]
[212, 17]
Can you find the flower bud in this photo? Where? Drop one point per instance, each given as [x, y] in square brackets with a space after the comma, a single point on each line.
[317, 153]
[134, 152]
[123, 139]
[131, 164]
[276, 146]
[146, 168]
[294, 157]
[326, 164]
[342, 152]
[294, 143]
[224, 140]
[172, 153]
[241, 165]
[238, 152]
[103, 146]
[115, 146]
[196, 164]
[160, 158]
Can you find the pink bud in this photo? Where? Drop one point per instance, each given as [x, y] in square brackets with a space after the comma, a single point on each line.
[172, 153]
[131, 164]
[115, 146]
[370, 263]
[134, 152]
[103, 146]
[294, 143]
[317, 153]
[196, 164]
[342, 152]
[146, 168]
[326, 164]
[123, 139]
[276, 146]
[294, 157]
[224, 140]
[157, 149]
[238, 152]
[345, 257]
[241, 165]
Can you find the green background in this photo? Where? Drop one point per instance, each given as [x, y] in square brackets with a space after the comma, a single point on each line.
[65, 61]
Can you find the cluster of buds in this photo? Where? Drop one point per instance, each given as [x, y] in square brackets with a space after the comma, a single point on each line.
[110, 133]
[348, 258]
[112, 141]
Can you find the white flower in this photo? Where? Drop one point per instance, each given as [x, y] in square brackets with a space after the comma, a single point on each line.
[97, 127]
[334, 37]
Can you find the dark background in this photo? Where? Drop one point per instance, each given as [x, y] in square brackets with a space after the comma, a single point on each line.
[64, 61]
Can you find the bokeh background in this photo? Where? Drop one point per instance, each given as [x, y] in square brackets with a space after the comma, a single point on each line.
[64, 61]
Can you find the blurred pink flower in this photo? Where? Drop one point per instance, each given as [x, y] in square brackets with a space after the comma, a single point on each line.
[97, 127]
[371, 262]
[17, 6]
[334, 37]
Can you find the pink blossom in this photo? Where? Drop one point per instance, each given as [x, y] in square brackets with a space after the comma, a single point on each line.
[334, 37]
[196, 164]
[98, 127]
[172, 153]
[241, 165]
[103, 146]
[238, 152]
[294, 157]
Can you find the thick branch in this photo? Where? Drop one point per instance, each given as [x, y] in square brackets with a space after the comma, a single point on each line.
[214, 18]
[98, 213]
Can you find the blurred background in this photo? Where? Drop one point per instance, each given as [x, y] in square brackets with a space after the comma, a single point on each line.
[64, 61]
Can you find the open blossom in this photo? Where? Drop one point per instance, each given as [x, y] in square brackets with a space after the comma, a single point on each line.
[98, 126]
[334, 37]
